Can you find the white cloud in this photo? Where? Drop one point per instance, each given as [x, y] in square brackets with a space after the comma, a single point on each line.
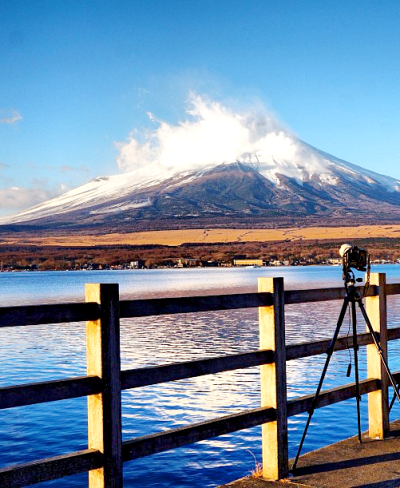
[212, 133]
[19, 193]
[16, 198]
[10, 118]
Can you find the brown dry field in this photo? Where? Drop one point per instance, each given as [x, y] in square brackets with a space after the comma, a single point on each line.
[178, 237]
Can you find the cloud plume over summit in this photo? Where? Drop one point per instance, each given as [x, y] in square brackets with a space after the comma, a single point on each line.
[220, 165]
[212, 133]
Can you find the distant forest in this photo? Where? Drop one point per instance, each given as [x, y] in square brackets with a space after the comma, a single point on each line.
[315, 251]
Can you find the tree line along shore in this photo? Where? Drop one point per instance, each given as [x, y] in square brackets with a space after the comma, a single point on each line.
[302, 252]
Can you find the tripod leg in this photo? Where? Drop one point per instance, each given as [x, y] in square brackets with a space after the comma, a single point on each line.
[393, 399]
[379, 349]
[329, 353]
[355, 347]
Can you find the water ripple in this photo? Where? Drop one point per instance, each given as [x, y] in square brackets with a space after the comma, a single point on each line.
[42, 353]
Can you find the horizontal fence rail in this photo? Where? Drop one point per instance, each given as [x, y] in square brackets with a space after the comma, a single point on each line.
[51, 468]
[48, 314]
[49, 391]
[163, 306]
[171, 439]
[79, 312]
[100, 460]
[159, 374]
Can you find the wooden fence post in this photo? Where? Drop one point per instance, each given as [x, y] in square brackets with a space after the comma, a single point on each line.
[273, 381]
[378, 409]
[104, 409]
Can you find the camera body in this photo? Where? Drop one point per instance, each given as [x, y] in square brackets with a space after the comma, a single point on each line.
[354, 257]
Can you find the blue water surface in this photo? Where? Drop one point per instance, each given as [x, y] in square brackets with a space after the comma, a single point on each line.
[40, 353]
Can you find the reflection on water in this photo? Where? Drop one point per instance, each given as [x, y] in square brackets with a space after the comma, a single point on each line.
[57, 351]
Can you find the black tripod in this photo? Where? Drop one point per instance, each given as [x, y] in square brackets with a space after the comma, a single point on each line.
[351, 298]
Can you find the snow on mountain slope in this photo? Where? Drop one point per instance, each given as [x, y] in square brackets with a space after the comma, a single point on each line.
[103, 190]
[291, 161]
[99, 191]
[306, 163]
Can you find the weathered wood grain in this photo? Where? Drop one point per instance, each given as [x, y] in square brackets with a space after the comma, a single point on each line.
[378, 405]
[321, 294]
[48, 314]
[273, 381]
[153, 375]
[306, 349]
[329, 397]
[50, 468]
[104, 409]
[393, 334]
[161, 306]
[393, 289]
[171, 439]
[49, 391]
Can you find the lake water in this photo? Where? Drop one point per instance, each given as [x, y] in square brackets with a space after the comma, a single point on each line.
[47, 352]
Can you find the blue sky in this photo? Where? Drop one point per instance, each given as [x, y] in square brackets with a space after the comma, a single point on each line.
[77, 77]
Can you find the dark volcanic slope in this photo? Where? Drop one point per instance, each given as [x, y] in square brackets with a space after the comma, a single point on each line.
[226, 195]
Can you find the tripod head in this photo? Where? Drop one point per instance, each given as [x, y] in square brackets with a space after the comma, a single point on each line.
[359, 259]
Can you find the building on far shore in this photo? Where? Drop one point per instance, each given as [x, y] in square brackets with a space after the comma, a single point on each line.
[248, 262]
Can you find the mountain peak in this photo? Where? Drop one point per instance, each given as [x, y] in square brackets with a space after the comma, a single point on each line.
[300, 182]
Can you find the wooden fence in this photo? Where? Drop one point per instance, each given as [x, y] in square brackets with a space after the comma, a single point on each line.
[104, 381]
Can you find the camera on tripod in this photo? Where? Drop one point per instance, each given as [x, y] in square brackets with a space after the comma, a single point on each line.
[354, 257]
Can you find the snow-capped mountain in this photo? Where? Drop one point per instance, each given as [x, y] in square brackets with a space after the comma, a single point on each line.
[303, 183]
